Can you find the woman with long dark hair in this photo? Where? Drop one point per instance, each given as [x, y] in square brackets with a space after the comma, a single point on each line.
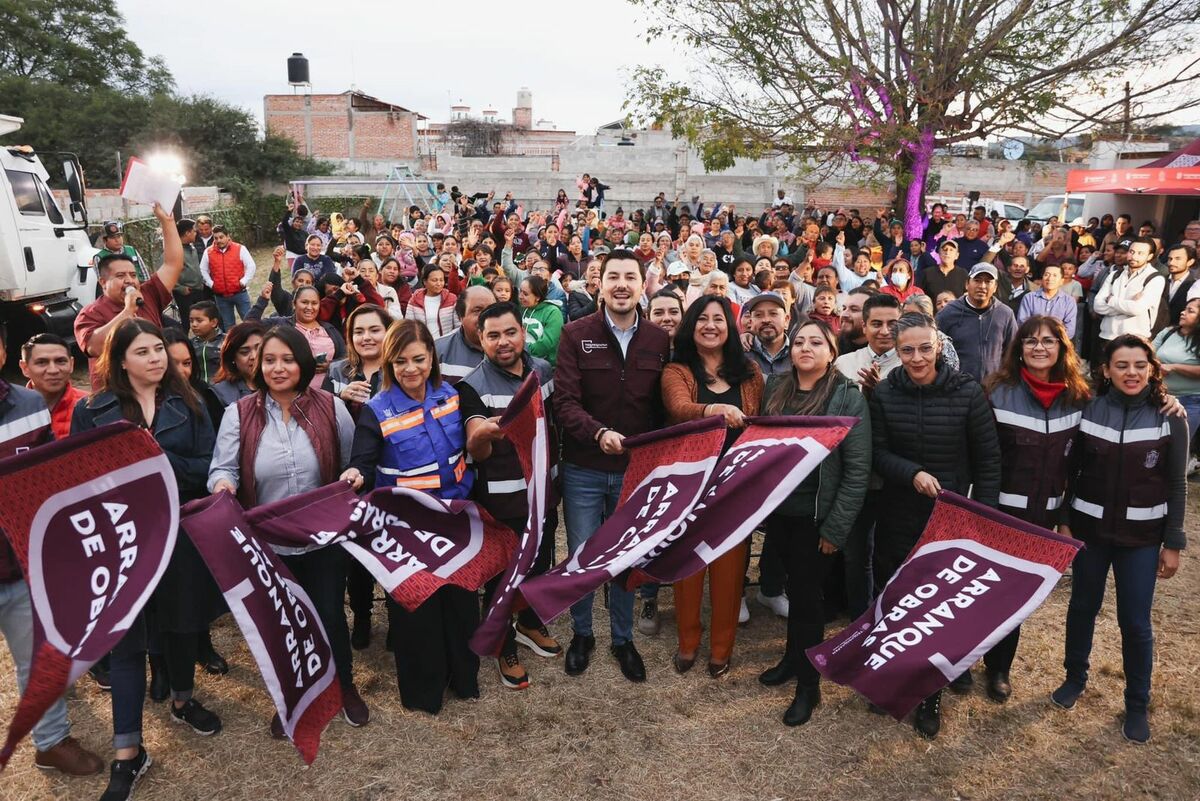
[286, 438]
[1037, 397]
[816, 519]
[711, 376]
[1127, 491]
[324, 340]
[356, 379]
[239, 360]
[931, 429]
[424, 449]
[139, 383]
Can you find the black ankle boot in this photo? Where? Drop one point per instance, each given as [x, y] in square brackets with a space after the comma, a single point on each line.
[807, 699]
[780, 674]
[160, 687]
[928, 718]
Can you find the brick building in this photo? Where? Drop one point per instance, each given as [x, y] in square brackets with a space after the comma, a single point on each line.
[351, 126]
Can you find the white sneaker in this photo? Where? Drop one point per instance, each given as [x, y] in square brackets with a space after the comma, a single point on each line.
[776, 603]
[743, 613]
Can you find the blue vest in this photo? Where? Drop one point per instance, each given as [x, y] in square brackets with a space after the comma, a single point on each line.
[422, 442]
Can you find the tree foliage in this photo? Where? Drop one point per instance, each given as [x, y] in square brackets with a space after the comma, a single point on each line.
[887, 82]
[78, 44]
[69, 69]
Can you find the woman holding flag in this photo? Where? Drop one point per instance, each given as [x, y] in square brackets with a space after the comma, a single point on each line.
[412, 435]
[139, 383]
[931, 429]
[815, 520]
[286, 438]
[711, 376]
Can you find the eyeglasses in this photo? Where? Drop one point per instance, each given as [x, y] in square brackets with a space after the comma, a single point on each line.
[1049, 343]
[911, 350]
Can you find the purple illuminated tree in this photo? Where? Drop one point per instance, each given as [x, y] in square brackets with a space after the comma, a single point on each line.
[883, 84]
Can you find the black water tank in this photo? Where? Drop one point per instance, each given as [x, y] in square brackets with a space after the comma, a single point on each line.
[297, 69]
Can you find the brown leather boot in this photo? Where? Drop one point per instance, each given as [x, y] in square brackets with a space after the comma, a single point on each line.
[71, 758]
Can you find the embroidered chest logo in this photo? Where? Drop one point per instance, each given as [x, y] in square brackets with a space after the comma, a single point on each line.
[589, 346]
[1151, 459]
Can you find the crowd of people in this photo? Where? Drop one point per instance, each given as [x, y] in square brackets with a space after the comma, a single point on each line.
[395, 347]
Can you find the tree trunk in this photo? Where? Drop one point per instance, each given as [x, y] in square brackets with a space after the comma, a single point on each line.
[912, 171]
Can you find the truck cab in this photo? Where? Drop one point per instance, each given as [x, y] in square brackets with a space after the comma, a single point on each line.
[45, 254]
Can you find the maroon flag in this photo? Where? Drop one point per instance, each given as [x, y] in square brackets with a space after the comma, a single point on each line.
[276, 616]
[93, 521]
[524, 425]
[668, 471]
[974, 575]
[412, 543]
[766, 463]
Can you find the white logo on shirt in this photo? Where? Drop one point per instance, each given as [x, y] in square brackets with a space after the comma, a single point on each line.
[589, 345]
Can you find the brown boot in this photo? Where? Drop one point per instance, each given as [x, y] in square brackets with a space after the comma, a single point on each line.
[71, 758]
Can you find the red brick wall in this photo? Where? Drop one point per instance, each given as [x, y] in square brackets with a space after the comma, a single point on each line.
[377, 134]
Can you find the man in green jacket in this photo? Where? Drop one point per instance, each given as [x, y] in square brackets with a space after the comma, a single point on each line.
[112, 239]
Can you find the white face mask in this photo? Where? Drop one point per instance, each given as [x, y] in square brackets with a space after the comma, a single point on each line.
[899, 280]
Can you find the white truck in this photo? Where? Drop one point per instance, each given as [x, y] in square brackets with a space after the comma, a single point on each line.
[45, 255]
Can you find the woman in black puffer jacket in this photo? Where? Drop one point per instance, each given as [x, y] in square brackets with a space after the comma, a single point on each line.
[931, 429]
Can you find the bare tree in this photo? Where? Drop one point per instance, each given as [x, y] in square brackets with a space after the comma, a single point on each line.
[888, 82]
[475, 137]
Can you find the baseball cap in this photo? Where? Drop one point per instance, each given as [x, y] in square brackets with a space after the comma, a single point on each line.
[765, 297]
[110, 228]
[948, 243]
[1124, 244]
[1077, 223]
[984, 267]
[678, 268]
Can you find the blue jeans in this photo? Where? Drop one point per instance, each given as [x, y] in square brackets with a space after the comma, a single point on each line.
[16, 624]
[227, 305]
[589, 498]
[1135, 571]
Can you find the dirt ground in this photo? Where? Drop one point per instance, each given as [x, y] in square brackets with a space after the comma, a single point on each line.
[678, 737]
[598, 736]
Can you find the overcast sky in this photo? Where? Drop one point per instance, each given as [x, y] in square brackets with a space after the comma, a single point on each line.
[574, 57]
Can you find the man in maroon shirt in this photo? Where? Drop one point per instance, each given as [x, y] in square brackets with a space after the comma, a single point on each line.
[123, 297]
[606, 387]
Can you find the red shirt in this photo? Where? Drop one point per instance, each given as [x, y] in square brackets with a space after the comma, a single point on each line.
[103, 309]
[60, 415]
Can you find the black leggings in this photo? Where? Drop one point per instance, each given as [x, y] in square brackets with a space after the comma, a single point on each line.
[807, 569]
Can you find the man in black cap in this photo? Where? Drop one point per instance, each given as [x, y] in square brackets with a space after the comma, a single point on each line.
[112, 241]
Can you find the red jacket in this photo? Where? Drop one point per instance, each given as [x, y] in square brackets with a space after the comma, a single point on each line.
[595, 387]
[226, 269]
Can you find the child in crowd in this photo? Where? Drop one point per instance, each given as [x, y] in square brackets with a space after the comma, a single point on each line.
[825, 308]
[207, 338]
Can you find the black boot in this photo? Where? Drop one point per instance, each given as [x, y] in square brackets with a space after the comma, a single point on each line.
[928, 718]
[360, 634]
[207, 657]
[782, 673]
[160, 686]
[807, 699]
[998, 687]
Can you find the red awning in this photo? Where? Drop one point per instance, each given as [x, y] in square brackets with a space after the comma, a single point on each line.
[1175, 174]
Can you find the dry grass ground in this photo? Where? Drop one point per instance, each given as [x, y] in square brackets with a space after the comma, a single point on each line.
[679, 737]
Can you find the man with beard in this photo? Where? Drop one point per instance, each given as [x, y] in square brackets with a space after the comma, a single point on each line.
[768, 322]
[500, 487]
[606, 388]
[853, 336]
[460, 352]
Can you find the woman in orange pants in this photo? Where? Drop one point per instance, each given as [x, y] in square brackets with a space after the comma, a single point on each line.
[711, 376]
